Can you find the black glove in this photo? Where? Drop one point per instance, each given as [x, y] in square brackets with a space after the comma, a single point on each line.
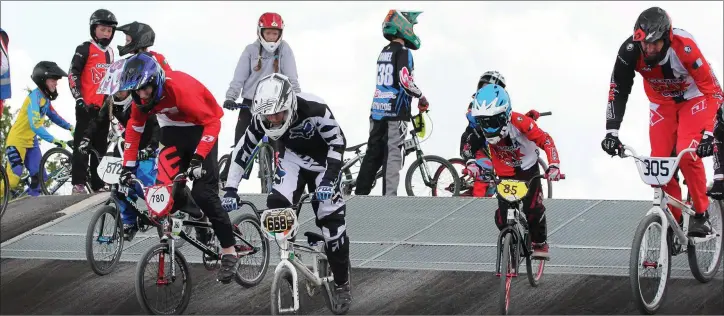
[146, 153]
[717, 190]
[83, 147]
[611, 144]
[230, 105]
[706, 146]
[719, 125]
[127, 175]
[80, 105]
[196, 169]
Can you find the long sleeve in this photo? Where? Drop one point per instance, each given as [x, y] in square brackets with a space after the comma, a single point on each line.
[332, 134]
[242, 152]
[622, 80]
[241, 73]
[35, 118]
[76, 69]
[288, 67]
[134, 129]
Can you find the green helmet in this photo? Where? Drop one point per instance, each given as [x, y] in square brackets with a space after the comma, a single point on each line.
[398, 24]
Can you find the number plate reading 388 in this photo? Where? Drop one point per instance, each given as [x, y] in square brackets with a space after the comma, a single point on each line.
[512, 190]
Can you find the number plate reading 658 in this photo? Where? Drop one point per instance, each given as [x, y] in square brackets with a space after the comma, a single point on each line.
[278, 223]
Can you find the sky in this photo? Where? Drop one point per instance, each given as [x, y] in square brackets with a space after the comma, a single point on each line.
[555, 56]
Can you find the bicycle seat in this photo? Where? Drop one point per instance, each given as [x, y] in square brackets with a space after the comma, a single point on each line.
[313, 237]
[355, 147]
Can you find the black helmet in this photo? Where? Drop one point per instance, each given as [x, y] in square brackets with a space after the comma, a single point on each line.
[45, 70]
[142, 36]
[102, 17]
[652, 25]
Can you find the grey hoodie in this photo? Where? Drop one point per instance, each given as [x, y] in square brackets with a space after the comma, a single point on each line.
[247, 78]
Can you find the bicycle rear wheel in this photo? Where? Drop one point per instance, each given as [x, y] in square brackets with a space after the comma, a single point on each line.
[266, 168]
[534, 269]
[704, 256]
[4, 191]
[506, 275]
[466, 182]
[651, 261]
[417, 168]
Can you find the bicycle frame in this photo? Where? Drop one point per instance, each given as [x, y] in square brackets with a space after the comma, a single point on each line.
[663, 200]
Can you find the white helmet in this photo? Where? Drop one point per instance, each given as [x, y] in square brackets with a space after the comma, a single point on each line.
[274, 94]
[493, 77]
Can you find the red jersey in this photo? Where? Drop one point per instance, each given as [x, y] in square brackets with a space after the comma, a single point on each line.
[519, 150]
[161, 61]
[87, 70]
[185, 102]
[683, 74]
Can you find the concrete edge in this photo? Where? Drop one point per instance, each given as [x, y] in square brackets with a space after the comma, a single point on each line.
[67, 212]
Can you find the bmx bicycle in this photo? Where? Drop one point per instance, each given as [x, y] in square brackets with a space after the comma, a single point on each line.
[161, 205]
[657, 172]
[514, 241]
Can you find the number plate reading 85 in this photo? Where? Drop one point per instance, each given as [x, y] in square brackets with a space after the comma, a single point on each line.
[278, 222]
[512, 190]
[656, 171]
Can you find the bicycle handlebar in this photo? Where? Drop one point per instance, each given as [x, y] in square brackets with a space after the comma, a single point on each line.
[545, 113]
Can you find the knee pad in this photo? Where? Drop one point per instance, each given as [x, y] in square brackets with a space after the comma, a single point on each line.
[14, 159]
[334, 230]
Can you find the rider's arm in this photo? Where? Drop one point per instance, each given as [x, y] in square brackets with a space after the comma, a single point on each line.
[208, 113]
[56, 118]
[152, 123]
[406, 68]
[288, 67]
[332, 134]
[469, 144]
[622, 80]
[36, 119]
[134, 128]
[530, 129]
[241, 73]
[76, 68]
[242, 152]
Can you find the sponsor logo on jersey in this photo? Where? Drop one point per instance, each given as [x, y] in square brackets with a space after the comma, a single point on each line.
[384, 94]
[384, 106]
[687, 49]
[698, 107]
[669, 88]
[304, 130]
[385, 57]
[208, 138]
[629, 47]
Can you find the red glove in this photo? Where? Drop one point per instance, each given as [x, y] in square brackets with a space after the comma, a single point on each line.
[422, 104]
[535, 115]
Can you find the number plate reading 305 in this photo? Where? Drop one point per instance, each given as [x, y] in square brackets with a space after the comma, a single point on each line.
[657, 171]
[278, 222]
[512, 190]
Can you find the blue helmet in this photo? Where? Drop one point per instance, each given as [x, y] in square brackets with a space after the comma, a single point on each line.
[471, 119]
[140, 72]
[492, 110]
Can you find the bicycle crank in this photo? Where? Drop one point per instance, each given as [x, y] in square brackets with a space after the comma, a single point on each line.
[312, 289]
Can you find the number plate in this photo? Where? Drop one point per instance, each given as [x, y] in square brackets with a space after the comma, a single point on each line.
[409, 144]
[110, 169]
[512, 190]
[279, 224]
[656, 171]
[158, 199]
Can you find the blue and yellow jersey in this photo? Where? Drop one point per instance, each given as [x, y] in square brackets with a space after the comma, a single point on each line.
[29, 122]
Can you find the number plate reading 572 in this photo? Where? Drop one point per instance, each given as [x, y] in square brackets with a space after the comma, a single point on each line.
[158, 198]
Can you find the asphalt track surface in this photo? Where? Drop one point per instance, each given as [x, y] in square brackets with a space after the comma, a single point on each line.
[70, 287]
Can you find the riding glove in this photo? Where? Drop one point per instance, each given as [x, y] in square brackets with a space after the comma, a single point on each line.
[472, 169]
[230, 105]
[535, 115]
[146, 153]
[553, 173]
[325, 190]
[611, 144]
[231, 199]
[196, 169]
[422, 104]
[83, 147]
[706, 146]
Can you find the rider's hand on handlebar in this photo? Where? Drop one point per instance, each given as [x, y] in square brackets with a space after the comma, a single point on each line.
[231, 199]
[83, 147]
[553, 173]
[127, 176]
[196, 169]
[422, 104]
[612, 145]
[230, 105]
[535, 115]
[706, 146]
[60, 143]
[146, 153]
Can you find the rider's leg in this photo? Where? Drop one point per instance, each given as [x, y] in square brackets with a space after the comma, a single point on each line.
[663, 127]
[695, 115]
[288, 186]
[99, 142]
[32, 163]
[535, 214]
[79, 160]
[374, 157]
[14, 164]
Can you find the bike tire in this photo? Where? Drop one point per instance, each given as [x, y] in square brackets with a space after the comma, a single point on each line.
[44, 160]
[704, 276]
[505, 280]
[247, 283]
[346, 188]
[89, 240]
[282, 278]
[222, 164]
[534, 276]
[4, 191]
[643, 306]
[465, 189]
[266, 170]
[182, 271]
[544, 167]
[431, 158]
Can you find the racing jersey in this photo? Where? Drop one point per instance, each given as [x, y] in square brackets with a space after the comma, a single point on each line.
[30, 121]
[519, 149]
[395, 84]
[185, 102]
[683, 74]
[314, 136]
[87, 69]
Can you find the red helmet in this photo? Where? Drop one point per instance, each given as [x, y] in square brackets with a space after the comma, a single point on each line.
[270, 20]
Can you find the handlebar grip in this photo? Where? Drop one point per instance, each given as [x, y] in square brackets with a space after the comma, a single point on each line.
[563, 176]
[545, 113]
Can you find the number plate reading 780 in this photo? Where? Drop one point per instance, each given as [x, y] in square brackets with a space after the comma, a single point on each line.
[278, 222]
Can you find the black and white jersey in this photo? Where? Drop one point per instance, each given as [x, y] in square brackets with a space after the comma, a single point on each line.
[314, 136]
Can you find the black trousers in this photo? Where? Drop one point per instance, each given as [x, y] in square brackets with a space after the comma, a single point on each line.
[98, 141]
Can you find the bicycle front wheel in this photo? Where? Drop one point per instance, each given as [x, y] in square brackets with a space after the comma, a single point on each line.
[283, 303]
[427, 184]
[649, 259]
[158, 279]
[55, 166]
[109, 234]
[4, 191]
[253, 250]
[506, 275]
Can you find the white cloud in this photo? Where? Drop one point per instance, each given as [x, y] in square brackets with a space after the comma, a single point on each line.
[556, 56]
